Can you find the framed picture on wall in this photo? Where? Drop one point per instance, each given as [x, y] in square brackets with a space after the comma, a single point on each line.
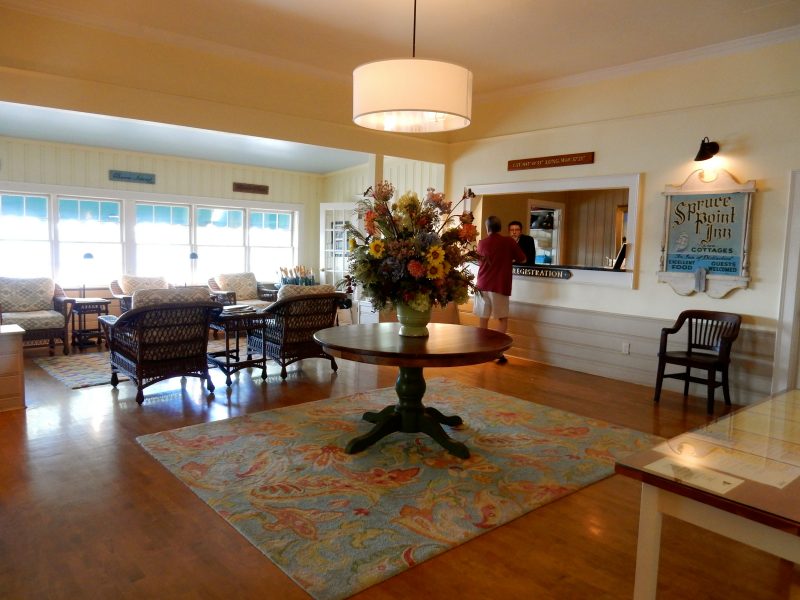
[705, 247]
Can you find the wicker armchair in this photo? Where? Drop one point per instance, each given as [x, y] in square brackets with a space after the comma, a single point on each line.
[123, 288]
[159, 341]
[233, 288]
[39, 306]
[289, 335]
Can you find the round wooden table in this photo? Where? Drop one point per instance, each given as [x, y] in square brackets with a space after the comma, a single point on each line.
[380, 344]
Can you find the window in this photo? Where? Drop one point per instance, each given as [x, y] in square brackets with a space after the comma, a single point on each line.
[271, 236]
[163, 241]
[220, 241]
[25, 235]
[88, 227]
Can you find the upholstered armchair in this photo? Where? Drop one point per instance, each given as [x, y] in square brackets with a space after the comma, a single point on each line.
[298, 314]
[39, 306]
[242, 288]
[123, 288]
[163, 335]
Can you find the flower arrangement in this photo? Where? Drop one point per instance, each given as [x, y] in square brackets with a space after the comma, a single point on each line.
[413, 251]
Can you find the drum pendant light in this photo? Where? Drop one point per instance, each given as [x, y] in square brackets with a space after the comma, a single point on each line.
[412, 95]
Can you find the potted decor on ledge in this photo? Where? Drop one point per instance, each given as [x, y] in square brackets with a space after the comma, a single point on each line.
[413, 254]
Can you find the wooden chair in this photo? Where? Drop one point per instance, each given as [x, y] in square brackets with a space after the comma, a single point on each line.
[39, 306]
[165, 339]
[710, 336]
[289, 335]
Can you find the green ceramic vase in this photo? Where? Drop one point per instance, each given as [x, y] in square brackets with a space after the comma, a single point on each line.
[413, 323]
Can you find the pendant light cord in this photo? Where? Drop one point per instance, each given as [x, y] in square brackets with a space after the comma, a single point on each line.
[414, 38]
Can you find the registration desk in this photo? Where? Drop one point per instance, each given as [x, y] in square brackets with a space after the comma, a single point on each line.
[738, 476]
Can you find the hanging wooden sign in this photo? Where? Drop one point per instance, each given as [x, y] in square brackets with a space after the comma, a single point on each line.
[545, 162]
[250, 188]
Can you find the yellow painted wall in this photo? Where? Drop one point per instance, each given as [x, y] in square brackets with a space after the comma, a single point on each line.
[652, 124]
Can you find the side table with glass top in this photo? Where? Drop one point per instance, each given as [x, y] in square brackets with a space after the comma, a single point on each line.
[83, 336]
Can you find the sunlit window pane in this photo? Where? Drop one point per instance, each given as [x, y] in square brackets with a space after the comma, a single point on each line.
[213, 260]
[23, 218]
[264, 262]
[31, 259]
[74, 270]
[220, 227]
[170, 261]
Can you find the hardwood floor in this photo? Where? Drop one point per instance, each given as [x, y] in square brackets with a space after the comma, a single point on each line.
[86, 513]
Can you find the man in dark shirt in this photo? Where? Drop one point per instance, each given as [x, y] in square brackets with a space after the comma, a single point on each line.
[525, 242]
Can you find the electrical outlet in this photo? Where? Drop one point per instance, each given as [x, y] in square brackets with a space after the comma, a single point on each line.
[626, 347]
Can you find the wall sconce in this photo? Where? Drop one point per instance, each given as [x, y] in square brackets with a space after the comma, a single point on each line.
[87, 257]
[707, 149]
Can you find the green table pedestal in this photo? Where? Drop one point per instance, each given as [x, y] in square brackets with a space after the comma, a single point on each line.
[409, 415]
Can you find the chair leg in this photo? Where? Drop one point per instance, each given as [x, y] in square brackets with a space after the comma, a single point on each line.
[712, 381]
[139, 395]
[114, 379]
[686, 381]
[283, 372]
[334, 366]
[726, 392]
[51, 347]
[209, 383]
[659, 380]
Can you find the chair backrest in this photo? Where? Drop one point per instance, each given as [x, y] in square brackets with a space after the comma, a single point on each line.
[26, 294]
[710, 330]
[161, 332]
[169, 296]
[291, 290]
[298, 318]
[128, 284]
[244, 285]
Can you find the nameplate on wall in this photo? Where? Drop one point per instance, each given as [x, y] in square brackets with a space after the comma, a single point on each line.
[545, 272]
[545, 162]
[250, 188]
[131, 177]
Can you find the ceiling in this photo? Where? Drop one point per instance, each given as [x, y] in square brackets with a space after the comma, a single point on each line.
[512, 47]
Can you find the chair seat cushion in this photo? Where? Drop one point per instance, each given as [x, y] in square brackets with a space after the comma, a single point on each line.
[243, 284]
[698, 359]
[132, 283]
[290, 290]
[169, 296]
[35, 319]
[26, 294]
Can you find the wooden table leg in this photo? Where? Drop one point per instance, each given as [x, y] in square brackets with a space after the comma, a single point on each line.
[648, 547]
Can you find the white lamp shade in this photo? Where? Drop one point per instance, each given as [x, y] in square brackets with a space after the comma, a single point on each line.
[412, 95]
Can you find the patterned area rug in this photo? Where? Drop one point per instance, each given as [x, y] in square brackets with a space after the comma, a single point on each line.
[79, 370]
[337, 524]
[92, 368]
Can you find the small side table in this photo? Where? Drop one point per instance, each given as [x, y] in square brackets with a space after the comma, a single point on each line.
[83, 336]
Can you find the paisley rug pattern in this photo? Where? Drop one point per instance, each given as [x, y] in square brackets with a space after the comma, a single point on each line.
[338, 523]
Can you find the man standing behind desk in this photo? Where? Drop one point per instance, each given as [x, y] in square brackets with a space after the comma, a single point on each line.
[525, 242]
[493, 287]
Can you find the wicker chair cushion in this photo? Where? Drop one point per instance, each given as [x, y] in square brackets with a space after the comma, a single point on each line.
[22, 295]
[243, 284]
[288, 291]
[132, 283]
[169, 296]
[32, 320]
